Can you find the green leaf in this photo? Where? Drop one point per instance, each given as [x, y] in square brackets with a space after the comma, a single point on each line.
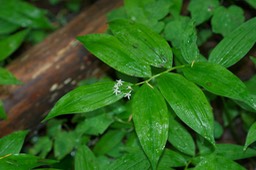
[178, 133]
[235, 45]
[95, 125]
[85, 98]
[22, 162]
[131, 161]
[202, 10]
[214, 162]
[85, 159]
[234, 152]
[12, 144]
[11, 43]
[251, 136]
[171, 158]
[232, 17]
[250, 84]
[182, 34]
[23, 14]
[115, 54]
[2, 112]
[150, 47]
[151, 121]
[218, 130]
[175, 7]
[108, 141]
[189, 103]
[115, 14]
[7, 78]
[7, 27]
[151, 9]
[252, 3]
[42, 147]
[217, 79]
[63, 147]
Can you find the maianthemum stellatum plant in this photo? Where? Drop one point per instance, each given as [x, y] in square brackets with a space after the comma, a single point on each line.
[157, 113]
[167, 98]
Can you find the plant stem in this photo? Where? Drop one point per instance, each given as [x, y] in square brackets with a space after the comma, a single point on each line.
[159, 74]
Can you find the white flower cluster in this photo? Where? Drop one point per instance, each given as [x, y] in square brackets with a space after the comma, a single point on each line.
[117, 90]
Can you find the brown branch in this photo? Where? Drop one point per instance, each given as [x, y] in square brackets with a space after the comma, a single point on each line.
[52, 68]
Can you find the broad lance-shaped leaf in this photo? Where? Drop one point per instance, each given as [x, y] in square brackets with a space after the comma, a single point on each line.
[235, 45]
[234, 152]
[133, 160]
[115, 54]
[218, 80]
[12, 143]
[11, 43]
[148, 46]
[215, 162]
[85, 159]
[189, 103]
[151, 121]
[172, 158]
[251, 136]
[85, 98]
[178, 133]
[7, 77]
[182, 34]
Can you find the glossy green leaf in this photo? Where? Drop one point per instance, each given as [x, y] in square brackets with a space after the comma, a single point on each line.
[63, 147]
[189, 103]
[42, 147]
[7, 27]
[108, 141]
[85, 159]
[178, 133]
[2, 112]
[232, 16]
[131, 161]
[234, 152]
[150, 47]
[85, 98]
[172, 158]
[218, 80]
[214, 162]
[11, 43]
[95, 125]
[115, 54]
[182, 34]
[235, 45]
[202, 10]
[23, 14]
[251, 135]
[151, 121]
[7, 77]
[22, 162]
[12, 144]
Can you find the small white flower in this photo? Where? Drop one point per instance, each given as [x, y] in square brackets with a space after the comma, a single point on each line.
[119, 82]
[129, 87]
[116, 91]
[128, 95]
